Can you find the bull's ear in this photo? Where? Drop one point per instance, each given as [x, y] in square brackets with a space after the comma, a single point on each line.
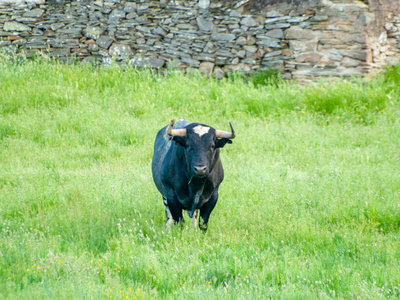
[222, 142]
[181, 141]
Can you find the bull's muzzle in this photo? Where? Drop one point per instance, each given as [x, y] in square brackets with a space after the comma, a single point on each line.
[200, 171]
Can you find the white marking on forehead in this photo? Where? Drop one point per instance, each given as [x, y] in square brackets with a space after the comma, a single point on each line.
[200, 129]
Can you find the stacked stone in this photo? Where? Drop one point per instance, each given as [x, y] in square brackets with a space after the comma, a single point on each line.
[212, 37]
[391, 38]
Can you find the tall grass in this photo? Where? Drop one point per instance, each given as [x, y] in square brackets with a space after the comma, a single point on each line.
[308, 208]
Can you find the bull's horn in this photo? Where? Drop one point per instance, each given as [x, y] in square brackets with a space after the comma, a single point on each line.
[224, 134]
[175, 132]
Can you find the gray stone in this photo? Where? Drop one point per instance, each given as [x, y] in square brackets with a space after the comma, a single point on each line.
[56, 26]
[159, 31]
[191, 62]
[356, 54]
[235, 61]
[308, 57]
[268, 42]
[4, 43]
[243, 68]
[142, 20]
[241, 40]
[34, 13]
[204, 24]
[235, 13]
[275, 20]
[209, 48]
[120, 50]
[249, 22]
[93, 32]
[156, 63]
[273, 14]
[204, 4]
[15, 26]
[241, 54]
[275, 33]
[303, 46]
[218, 73]
[104, 41]
[319, 18]
[174, 64]
[130, 7]
[297, 19]
[152, 62]
[295, 33]
[223, 37]
[251, 40]
[131, 15]
[142, 8]
[250, 49]
[277, 25]
[61, 52]
[206, 68]
[350, 63]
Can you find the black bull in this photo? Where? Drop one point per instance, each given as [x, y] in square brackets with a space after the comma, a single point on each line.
[187, 169]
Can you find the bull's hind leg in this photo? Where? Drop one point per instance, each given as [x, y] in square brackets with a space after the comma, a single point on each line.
[170, 220]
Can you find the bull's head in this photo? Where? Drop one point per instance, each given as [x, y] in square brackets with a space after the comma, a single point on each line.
[201, 143]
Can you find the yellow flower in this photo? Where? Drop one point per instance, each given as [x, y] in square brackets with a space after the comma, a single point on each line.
[27, 270]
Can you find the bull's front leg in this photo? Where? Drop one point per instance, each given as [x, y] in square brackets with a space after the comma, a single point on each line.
[173, 210]
[206, 210]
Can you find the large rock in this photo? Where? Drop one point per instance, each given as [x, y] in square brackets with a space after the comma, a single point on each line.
[227, 37]
[303, 46]
[244, 68]
[206, 68]
[204, 4]
[249, 22]
[34, 13]
[15, 26]
[104, 41]
[93, 32]
[120, 50]
[275, 33]
[204, 24]
[152, 62]
[21, 1]
[297, 33]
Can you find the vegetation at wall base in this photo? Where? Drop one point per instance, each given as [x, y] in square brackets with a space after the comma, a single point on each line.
[309, 208]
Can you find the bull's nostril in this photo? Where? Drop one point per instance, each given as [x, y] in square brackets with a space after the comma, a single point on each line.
[200, 170]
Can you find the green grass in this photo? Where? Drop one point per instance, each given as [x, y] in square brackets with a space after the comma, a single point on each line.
[309, 207]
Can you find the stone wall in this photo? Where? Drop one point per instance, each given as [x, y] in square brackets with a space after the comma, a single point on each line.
[322, 38]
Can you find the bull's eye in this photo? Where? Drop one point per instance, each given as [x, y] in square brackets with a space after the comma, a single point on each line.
[212, 147]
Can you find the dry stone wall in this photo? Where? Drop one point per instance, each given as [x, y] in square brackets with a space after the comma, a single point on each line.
[326, 38]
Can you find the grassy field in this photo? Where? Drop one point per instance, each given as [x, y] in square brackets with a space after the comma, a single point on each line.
[309, 208]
